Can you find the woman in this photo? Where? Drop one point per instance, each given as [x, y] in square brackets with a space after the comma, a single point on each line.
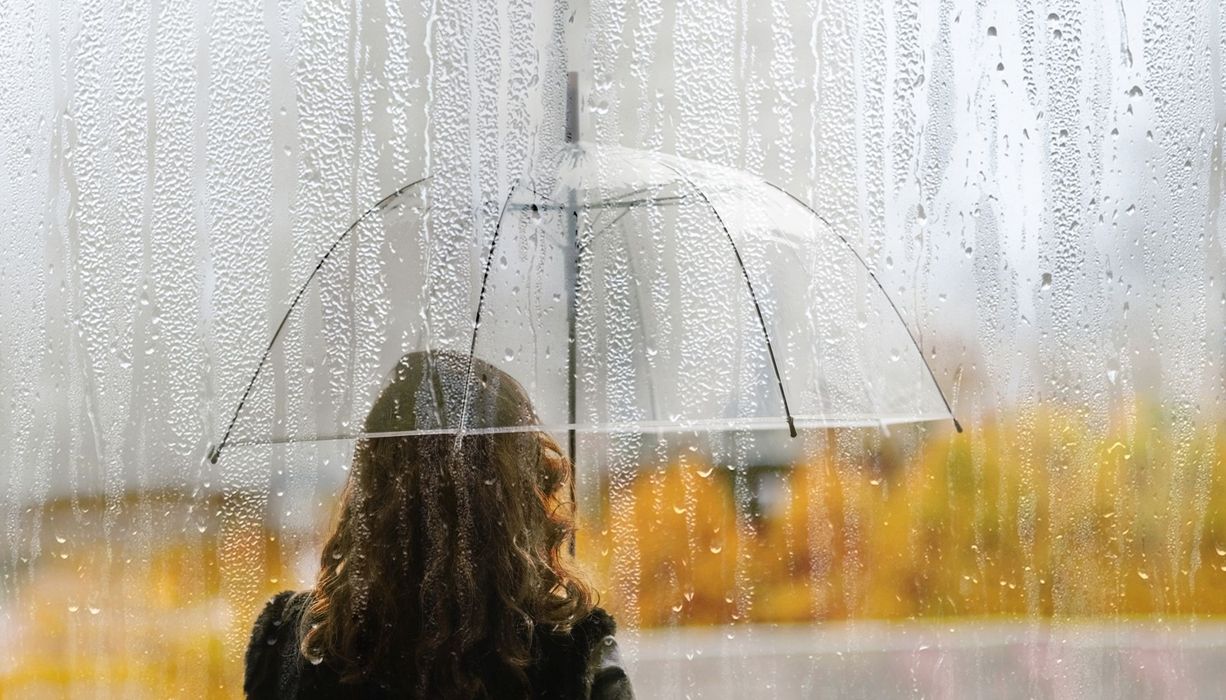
[446, 575]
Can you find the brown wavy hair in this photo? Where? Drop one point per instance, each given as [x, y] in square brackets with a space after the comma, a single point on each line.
[449, 551]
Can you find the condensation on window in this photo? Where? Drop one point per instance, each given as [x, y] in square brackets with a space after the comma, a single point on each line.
[1037, 188]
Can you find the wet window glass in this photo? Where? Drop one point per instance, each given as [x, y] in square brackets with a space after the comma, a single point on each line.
[887, 340]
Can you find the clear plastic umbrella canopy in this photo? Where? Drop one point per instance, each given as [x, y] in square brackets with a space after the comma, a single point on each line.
[624, 290]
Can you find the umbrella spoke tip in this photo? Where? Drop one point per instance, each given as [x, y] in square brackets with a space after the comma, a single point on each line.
[214, 453]
[957, 425]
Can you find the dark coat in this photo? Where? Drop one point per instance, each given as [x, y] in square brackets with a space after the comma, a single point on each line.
[581, 665]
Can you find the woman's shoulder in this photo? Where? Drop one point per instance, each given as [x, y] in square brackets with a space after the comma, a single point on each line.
[605, 677]
[594, 627]
[582, 636]
[273, 647]
[584, 662]
[279, 619]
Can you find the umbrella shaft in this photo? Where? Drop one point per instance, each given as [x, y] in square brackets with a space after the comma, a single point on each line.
[572, 261]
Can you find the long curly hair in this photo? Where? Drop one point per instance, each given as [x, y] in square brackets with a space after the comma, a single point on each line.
[449, 551]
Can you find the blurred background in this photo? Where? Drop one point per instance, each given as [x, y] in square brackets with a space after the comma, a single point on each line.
[1038, 185]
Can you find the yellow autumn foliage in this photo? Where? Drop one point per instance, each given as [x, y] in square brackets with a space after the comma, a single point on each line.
[1050, 513]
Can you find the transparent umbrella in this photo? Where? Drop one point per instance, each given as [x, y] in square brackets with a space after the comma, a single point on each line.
[625, 290]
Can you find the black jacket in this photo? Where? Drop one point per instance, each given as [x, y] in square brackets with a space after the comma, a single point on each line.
[581, 665]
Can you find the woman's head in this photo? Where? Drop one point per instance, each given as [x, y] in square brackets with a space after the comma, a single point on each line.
[449, 548]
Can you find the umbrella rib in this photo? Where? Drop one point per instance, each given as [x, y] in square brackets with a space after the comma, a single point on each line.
[888, 298]
[770, 348]
[485, 278]
[629, 206]
[215, 453]
[592, 238]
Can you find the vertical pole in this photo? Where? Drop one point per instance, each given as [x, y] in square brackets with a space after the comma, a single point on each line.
[572, 107]
[572, 285]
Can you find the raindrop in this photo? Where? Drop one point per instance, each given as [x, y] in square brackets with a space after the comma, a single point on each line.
[509, 355]
[991, 31]
[1046, 282]
[1144, 576]
[1135, 91]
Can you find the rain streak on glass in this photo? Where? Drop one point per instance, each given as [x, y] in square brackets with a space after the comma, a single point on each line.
[846, 218]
